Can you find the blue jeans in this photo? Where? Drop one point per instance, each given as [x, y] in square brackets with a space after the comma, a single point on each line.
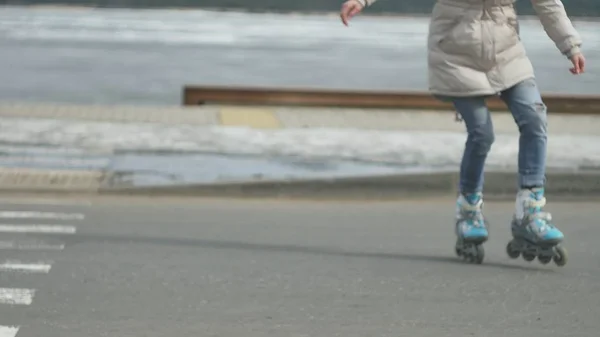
[529, 112]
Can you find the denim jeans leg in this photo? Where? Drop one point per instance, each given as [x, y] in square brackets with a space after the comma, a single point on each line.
[529, 112]
[480, 136]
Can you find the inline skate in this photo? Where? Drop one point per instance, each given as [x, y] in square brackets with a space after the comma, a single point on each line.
[534, 235]
[471, 228]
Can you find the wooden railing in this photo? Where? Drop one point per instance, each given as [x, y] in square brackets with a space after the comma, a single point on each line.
[198, 95]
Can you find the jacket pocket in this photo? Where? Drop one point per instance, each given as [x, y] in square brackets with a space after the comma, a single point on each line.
[462, 38]
[506, 35]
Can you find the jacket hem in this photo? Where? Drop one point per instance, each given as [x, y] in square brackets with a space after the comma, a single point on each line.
[451, 94]
[482, 92]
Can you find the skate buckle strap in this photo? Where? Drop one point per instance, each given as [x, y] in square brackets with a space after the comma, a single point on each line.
[476, 207]
[535, 203]
[535, 209]
[473, 212]
[535, 213]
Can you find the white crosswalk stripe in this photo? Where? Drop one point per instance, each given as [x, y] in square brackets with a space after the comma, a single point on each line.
[18, 266]
[40, 228]
[16, 296]
[8, 331]
[40, 215]
[45, 201]
[29, 245]
[14, 226]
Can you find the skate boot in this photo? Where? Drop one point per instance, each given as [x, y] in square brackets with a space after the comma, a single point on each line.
[471, 228]
[533, 233]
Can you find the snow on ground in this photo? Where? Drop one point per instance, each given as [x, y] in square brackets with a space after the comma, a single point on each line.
[400, 148]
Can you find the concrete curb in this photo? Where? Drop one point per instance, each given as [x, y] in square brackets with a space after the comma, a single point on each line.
[39, 180]
[382, 187]
[499, 186]
[563, 185]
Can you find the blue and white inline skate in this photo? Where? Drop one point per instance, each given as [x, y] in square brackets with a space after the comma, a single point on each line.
[471, 228]
[534, 235]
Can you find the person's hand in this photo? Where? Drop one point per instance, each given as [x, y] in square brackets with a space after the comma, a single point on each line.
[578, 64]
[349, 9]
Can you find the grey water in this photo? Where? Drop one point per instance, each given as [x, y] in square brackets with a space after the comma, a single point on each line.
[120, 56]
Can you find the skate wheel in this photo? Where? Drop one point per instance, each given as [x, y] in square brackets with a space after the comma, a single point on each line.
[512, 253]
[528, 257]
[544, 259]
[561, 256]
[478, 258]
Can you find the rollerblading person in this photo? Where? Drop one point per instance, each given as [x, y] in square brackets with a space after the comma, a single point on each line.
[475, 52]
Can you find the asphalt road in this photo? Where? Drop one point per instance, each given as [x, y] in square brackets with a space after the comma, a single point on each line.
[277, 268]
